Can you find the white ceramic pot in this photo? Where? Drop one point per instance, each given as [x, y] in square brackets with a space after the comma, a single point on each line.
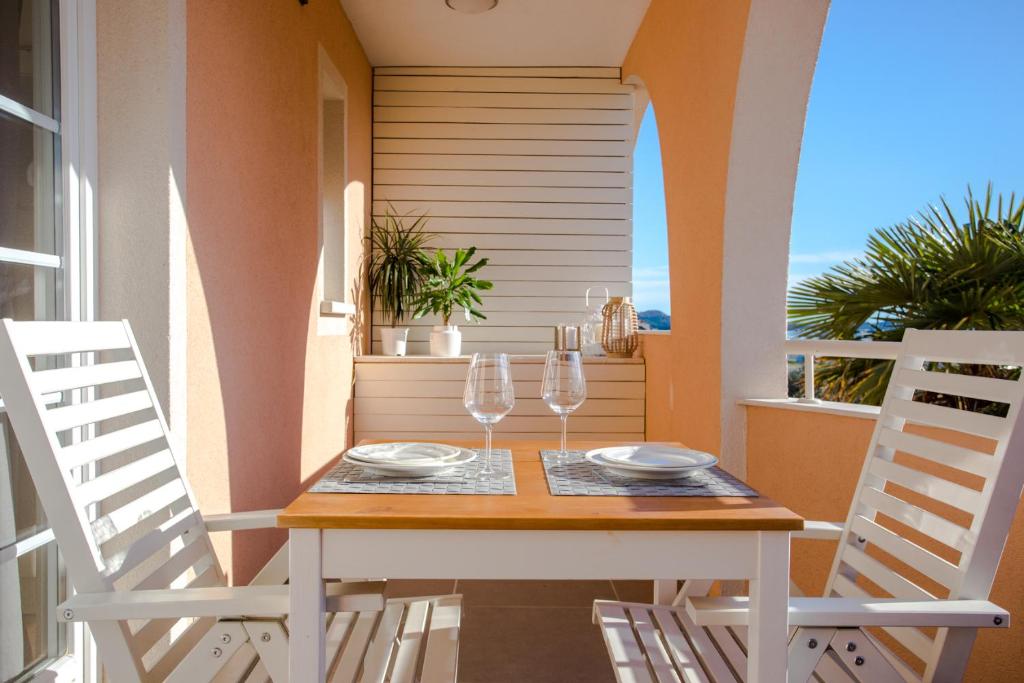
[393, 340]
[445, 341]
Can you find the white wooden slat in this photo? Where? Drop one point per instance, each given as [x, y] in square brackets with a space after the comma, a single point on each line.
[64, 379]
[351, 659]
[501, 162]
[499, 115]
[549, 434]
[544, 321]
[862, 657]
[382, 643]
[498, 209]
[121, 478]
[686, 662]
[953, 346]
[943, 490]
[188, 659]
[988, 426]
[503, 131]
[468, 193]
[46, 338]
[537, 244]
[512, 423]
[582, 148]
[339, 625]
[384, 98]
[117, 521]
[110, 443]
[700, 642]
[79, 414]
[524, 406]
[541, 257]
[927, 563]
[569, 305]
[121, 563]
[479, 332]
[422, 348]
[559, 288]
[939, 528]
[958, 457]
[910, 637]
[531, 370]
[155, 629]
[657, 658]
[430, 389]
[440, 657]
[726, 643]
[613, 72]
[272, 655]
[952, 384]
[114, 547]
[882, 576]
[410, 642]
[194, 554]
[627, 657]
[507, 84]
[578, 229]
[530, 178]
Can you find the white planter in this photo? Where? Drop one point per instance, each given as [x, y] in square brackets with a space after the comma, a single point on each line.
[445, 341]
[393, 340]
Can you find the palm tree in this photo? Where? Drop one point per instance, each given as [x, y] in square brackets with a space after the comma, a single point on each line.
[932, 272]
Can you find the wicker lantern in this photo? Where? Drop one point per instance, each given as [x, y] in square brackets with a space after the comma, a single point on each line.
[620, 334]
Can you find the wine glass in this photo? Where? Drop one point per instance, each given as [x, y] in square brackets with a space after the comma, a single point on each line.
[488, 397]
[564, 388]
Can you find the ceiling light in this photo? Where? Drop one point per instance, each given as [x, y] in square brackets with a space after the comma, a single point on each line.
[471, 6]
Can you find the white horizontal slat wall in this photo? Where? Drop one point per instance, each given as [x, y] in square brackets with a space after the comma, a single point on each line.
[421, 398]
[530, 165]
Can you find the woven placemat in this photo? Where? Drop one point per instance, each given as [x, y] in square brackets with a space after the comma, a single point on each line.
[577, 476]
[463, 479]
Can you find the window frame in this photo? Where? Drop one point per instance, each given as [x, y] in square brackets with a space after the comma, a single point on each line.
[331, 86]
[76, 256]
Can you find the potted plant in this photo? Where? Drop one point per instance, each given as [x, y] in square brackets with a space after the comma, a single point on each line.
[396, 273]
[450, 283]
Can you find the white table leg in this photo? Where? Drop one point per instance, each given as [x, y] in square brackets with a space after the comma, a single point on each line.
[769, 603]
[665, 591]
[306, 608]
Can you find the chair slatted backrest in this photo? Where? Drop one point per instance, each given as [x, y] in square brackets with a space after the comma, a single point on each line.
[106, 474]
[939, 487]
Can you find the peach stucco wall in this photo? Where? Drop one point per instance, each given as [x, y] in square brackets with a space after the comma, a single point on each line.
[688, 55]
[810, 462]
[268, 397]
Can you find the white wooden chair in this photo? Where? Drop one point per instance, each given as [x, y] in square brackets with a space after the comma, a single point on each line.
[137, 548]
[917, 555]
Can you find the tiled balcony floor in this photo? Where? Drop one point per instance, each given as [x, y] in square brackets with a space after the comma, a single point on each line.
[536, 631]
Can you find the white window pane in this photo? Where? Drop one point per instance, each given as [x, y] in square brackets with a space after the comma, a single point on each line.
[29, 592]
[28, 54]
[29, 167]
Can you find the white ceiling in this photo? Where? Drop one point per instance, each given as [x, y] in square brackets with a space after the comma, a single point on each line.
[515, 33]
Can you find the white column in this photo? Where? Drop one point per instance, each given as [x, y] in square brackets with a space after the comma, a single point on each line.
[141, 239]
[779, 56]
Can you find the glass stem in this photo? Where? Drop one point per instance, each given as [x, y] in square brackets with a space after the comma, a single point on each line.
[565, 419]
[487, 450]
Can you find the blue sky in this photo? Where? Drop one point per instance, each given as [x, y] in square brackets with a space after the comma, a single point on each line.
[912, 100]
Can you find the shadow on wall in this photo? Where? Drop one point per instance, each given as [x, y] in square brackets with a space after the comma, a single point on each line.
[255, 359]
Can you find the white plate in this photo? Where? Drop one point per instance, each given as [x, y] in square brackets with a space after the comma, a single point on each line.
[656, 457]
[411, 454]
[636, 472]
[463, 456]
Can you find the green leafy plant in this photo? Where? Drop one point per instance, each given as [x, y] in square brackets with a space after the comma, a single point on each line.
[933, 272]
[450, 283]
[397, 262]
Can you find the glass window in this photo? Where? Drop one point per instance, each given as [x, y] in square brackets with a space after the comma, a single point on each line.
[31, 275]
[28, 54]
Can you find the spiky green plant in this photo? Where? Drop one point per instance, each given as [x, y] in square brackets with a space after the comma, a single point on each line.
[450, 283]
[933, 272]
[397, 261]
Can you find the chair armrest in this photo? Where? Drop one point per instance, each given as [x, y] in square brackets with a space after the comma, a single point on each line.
[854, 612]
[820, 531]
[242, 521]
[219, 601]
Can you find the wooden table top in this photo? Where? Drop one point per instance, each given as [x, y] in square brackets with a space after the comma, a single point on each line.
[534, 508]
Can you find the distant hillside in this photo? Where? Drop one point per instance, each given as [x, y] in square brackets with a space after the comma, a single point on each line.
[654, 320]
